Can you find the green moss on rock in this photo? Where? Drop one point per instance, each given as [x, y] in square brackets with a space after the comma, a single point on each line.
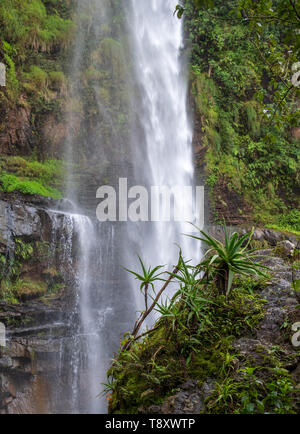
[31, 177]
[154, 367]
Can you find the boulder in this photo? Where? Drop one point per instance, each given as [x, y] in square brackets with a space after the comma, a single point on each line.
[6, 362]
[287, 247]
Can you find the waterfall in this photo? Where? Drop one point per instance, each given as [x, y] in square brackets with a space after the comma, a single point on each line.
[162, 136]
[92, 322]
[96, 321]
[157, 152]
[79, 253]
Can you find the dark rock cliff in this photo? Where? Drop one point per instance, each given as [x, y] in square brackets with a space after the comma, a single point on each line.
[38, 322]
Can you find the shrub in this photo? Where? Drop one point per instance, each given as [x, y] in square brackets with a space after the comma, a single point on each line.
[31, 177]
[290, 220]
[12, 183]
[224, 260]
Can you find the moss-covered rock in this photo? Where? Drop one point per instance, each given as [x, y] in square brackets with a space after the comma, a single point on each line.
[237, 354]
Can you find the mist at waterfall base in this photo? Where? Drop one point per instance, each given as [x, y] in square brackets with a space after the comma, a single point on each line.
[105, 300]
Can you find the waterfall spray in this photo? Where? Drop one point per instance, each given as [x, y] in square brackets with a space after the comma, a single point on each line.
[161, 155]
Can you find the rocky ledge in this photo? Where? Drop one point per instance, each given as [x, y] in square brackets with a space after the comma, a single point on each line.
[36, 276]
[28, 362]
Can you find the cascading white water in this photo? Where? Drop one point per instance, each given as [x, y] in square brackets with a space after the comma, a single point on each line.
[88, 348]
[84, 357]
[90, 327]
[164, 149]
[103, 306]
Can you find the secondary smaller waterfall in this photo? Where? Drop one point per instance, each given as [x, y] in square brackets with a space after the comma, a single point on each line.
[84, 356]
[91, 318]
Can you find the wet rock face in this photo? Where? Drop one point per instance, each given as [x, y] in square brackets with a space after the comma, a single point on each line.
[32, 364]
[281, 298]
[17, 133]
[37, 329]
[28, 362]
[275, 329]
[271, 237]
[44, 225]
[189, 399]
[287, 247]
[24, 220]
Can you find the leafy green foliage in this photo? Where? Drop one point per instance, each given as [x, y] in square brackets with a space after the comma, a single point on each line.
[27, 24]
[193, 335]
[22, 289]
[11, 183]
[148, 278]
[22, 276]
[10, 269]
[33, 37]
[252, 395]
[238, 86]
[291, 220]
[226, 260]
[194, 338]
[31, 177]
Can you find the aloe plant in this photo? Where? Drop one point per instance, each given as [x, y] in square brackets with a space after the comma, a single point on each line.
[147, 279]
[224, 260]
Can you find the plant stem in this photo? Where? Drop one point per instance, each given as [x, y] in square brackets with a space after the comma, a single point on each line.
[148, 311]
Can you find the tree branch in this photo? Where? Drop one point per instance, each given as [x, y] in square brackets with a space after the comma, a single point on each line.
[145, 334]
[292, 3]
[281, 101]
